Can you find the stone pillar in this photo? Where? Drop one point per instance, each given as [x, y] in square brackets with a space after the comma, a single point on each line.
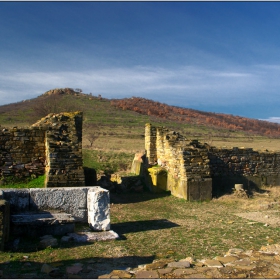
[98, 204]
[150, 143]
[64, 157]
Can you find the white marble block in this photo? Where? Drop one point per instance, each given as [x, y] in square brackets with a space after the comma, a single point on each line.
[98, 204]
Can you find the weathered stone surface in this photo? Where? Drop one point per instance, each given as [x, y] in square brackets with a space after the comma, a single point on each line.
[122, 274]
[273, 248]
[36, 224]
[180, 264]
[93, 236]
[104, 276]
[226, 259]
[98, 200]
[234, 252]
[183, 271]
[39, 219]
[48, 241]
[74, 269]
[70, 200]
[156, 265]
[18, 199]
[66, 239]
[142, 274]
[46, 268]
[163, 271]
[76, 204]
[212, 263]
[4, 222]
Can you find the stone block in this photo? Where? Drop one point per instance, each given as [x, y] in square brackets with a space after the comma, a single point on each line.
[4, 222]
[158, 178]
[98, 201]
[18, 199]
[36, 224]
[199, 190]
[72, 200]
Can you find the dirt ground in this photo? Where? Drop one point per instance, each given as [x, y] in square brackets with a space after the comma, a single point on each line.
[263, 208]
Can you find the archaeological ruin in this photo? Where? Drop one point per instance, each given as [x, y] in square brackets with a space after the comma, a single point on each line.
[52, 146]
[196, 171]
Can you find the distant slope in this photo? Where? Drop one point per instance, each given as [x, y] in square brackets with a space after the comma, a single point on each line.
[184, 115]
[127, 117]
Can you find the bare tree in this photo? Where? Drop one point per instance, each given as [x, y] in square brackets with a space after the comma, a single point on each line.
[91, 137]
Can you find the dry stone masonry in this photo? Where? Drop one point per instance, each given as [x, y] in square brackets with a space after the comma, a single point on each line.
[22, 152]
[196, 171]
[52, 146]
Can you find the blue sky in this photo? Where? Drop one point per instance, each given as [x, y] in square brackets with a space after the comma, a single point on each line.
[212, 56]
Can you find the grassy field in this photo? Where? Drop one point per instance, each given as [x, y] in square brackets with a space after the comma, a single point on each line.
[157, 226]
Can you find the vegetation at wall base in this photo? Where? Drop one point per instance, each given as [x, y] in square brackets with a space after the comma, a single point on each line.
[29, 182]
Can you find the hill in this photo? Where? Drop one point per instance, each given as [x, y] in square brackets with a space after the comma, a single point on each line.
[185, 115]
[118, 124]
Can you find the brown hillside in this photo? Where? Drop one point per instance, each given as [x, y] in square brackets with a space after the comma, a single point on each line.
[167, 112]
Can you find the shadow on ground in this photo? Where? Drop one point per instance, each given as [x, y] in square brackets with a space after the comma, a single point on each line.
[133, 197]
[140, 226]
[91, 268]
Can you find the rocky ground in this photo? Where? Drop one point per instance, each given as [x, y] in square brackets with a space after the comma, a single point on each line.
[236, 263]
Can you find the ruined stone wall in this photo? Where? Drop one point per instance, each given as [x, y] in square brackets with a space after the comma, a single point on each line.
[64, 159]
[22, 152]
[52, 146]
[243, 161]
[150, 143]
[186, 162]
[252, 168]
[193, 168]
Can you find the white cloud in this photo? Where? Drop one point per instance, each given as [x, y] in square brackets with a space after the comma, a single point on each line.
[272, 119]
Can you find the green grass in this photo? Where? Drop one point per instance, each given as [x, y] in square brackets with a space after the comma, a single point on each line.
[38, 182]
[109, 162]
[157, 226]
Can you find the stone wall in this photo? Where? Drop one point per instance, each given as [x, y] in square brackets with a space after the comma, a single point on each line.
[22, 152]
[64, 159]
[52, 146]
[253, 169]
[194, 169]
[186, 162]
